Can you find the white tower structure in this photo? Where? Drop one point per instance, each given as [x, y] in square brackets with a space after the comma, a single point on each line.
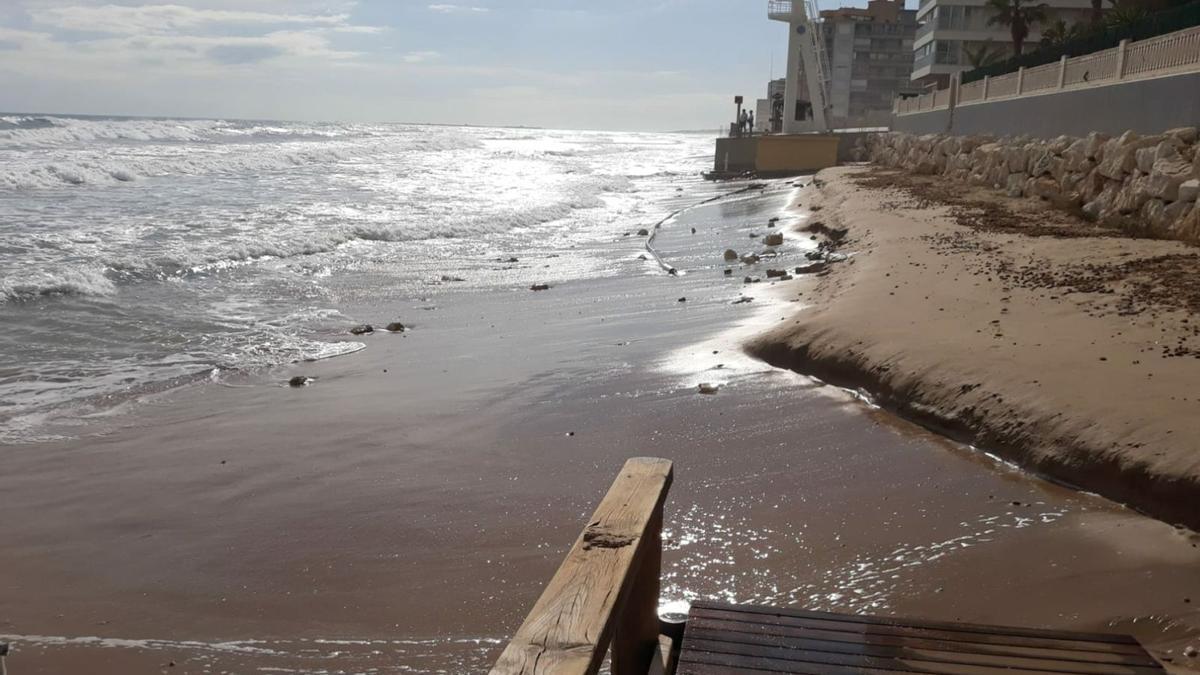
[806, 50]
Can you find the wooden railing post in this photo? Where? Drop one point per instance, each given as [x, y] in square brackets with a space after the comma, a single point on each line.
[1020, 80]
[1121, 51]
[985, 87]
[606, 590]
[1062, 71]
[635, 641]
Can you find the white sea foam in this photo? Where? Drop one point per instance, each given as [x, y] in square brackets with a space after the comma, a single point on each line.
[80, 281]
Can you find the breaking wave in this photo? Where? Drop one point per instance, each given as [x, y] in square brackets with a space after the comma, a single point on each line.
[68, 282]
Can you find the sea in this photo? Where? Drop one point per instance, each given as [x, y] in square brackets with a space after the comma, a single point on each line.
[141, 255]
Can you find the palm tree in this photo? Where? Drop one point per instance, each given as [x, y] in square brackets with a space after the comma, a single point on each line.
[1059, 34]
[1125, 15]
[1018, 16]
[983, 54]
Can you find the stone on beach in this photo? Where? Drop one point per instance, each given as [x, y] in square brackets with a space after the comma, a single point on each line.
[396, 327]
[643, 232]
[540, 287]
[709, 389]
[774, 239]
[731, 254]
[362, 330]
[299, 381]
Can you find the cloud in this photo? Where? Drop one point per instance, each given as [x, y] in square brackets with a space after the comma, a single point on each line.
[239, 54]
[165, 19]
[420, 57]
[457, 9]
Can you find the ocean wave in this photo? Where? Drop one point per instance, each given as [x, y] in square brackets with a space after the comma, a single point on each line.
[36, 173]
[73, 282]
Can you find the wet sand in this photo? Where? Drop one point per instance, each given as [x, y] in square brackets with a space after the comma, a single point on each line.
[402, 513]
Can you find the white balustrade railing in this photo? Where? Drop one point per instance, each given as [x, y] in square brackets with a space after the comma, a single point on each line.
[1042, 77]
[1165, 54]
[972, 91]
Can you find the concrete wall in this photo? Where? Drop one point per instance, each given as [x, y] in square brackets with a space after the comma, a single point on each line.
[1145, 106]
[736, 154]
[780, 155]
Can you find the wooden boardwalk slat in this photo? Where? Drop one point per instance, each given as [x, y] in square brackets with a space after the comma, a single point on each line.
[919, 642]
[725, 639]
[877, 626]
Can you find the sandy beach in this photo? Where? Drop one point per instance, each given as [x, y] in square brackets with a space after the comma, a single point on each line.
[1060, 345]
[402, 512]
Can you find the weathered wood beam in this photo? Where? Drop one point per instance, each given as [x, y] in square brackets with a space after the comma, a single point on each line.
[607, 586]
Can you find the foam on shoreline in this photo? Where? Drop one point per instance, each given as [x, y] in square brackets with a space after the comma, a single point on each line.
[1039, 346]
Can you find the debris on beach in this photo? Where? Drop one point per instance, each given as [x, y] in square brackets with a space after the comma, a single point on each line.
[682, 300]
[507, 260]
[362, 330]
[731, 254]
[540, 287]
[709, 389]
[774, 239]
[750, 258]
[299, 381]
[447, 277]
[742, 300]
[728, 272]
[396, 327]
[771, 274]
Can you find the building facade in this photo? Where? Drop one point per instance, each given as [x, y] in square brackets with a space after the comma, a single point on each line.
[870, 55]
[953, 35]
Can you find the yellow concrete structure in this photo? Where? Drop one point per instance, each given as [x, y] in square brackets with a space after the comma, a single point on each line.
[794, 153]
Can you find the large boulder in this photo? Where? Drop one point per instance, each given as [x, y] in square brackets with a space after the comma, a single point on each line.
[1166, 177]
[1014, 184]
[1189, 190]
[1186, 135]
[1103, 202]
[1188, 227]
[1094, 146]
[1120, 154]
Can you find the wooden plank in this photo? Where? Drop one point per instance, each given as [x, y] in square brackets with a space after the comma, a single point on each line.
[732, 664]
[877, 626]
[733, 628]
[1109, 638]
[570, 626]
[788, 659]
[802, 649]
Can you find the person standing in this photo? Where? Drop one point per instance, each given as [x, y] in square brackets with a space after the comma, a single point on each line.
[750, 123]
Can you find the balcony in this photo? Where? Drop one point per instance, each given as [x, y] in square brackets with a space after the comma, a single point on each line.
[779, 10]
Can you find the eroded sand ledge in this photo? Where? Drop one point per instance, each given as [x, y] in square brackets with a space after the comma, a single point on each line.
[1070, 349]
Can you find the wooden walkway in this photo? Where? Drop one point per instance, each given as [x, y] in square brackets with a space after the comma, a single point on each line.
[723, 639]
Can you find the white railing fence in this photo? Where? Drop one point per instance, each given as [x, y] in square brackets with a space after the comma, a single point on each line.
[1164, 54]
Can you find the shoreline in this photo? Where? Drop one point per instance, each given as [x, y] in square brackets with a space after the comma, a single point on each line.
[408, 507]
[949, 367]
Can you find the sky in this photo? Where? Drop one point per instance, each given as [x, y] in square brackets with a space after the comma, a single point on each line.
[580, 64]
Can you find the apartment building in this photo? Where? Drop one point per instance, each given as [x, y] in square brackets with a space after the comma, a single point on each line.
[870, 54]
[952, 32]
